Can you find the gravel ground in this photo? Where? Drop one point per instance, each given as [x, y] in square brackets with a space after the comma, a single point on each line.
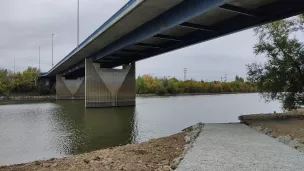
[162, 154]
[237, 147]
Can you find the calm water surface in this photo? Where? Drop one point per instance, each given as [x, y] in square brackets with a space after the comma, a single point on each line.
[34, 131]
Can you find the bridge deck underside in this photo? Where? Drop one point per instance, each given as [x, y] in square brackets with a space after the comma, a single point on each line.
[224, 17]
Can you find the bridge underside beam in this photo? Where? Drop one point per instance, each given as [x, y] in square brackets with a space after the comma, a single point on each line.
[107, 87]
[166, 37]
[187, 24]
[197, 26]
[239, 10]
[178, 14]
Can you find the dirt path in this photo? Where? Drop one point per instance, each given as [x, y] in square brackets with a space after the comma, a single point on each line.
[160, 154]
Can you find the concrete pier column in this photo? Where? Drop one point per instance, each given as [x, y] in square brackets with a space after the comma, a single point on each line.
[69, 89]
[108, 87]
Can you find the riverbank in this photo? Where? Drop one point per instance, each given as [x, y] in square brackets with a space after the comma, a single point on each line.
[53, 97]
[163, 154]
[287, 128]
[189, 94]
[23, 98]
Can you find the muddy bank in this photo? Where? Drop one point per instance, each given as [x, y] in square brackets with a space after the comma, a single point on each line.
[163, 154]
[23, 98]
[287, 128]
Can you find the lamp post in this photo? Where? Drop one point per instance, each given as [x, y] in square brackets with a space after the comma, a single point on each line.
[14, 66]
[53, 50]
[39, 58]
[77, 23]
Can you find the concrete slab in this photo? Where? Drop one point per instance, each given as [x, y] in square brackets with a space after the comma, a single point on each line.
[235, 147]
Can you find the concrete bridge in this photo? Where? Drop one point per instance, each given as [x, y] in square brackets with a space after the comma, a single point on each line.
[145, 28]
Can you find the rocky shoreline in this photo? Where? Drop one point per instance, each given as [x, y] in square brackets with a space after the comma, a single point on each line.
[293, 142]
[287, 128]
[162, 154]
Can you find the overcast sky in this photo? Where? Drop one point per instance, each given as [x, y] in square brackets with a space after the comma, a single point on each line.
[27, 24]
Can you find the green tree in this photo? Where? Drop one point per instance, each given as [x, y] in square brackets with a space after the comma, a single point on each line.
[173, 86]
[282, 76]
[239, 79]
[25, 81]
[161, 89]
[30, 75]
[140, 85]
[6, 84]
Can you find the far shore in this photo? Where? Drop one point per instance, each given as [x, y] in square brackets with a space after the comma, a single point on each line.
[53, 97]
[190, 94]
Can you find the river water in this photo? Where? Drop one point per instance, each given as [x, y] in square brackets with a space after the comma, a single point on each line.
[38, 130]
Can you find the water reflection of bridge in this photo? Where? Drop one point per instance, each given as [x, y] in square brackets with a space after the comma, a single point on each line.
[90, 129]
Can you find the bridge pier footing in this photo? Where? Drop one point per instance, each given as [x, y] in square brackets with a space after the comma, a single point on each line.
[67, 89]
[108, 87]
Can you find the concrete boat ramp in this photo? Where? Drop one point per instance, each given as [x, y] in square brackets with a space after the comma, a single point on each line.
[234, 147]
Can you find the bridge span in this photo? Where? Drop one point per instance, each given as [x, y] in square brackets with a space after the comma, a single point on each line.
[146, 28]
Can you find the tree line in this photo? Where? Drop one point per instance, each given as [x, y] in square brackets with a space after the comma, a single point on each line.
[20, 82]
[147, 84]
[26, 81]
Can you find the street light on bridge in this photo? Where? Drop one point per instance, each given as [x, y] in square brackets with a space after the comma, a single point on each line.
[53, 50]
[77, 23]
[39, 58]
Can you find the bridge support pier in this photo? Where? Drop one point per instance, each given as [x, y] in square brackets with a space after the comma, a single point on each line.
[67, 89]
[108, 87]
